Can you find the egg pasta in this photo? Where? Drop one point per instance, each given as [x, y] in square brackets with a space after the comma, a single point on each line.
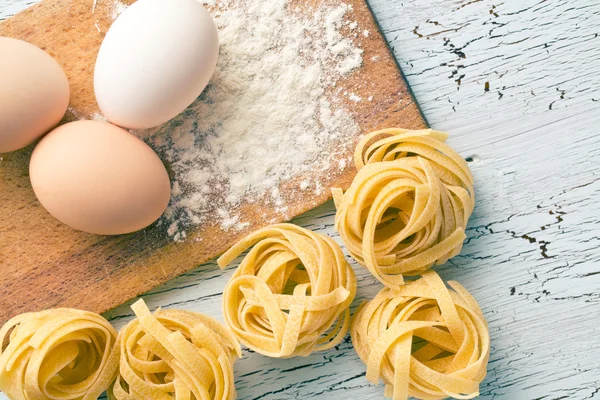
[408, 206]
[291, 293]
[175, 354]
[60, 354]
[423, 340]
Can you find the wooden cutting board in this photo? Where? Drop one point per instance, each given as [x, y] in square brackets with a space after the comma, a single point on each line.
[44, 263]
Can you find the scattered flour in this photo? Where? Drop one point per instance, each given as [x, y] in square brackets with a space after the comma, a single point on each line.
[304, 185]
[318, 188]
[355, 98]
[118, 8]
[268, 116]
[229, 222]
[366, 33]
[99, 117]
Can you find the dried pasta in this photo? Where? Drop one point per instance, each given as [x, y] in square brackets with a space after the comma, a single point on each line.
[175, 354]
[57, 354]
[291, 293]
[395, 143]
[408, 206]
[423, 340]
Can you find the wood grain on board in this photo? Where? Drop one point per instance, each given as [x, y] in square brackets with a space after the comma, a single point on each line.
[46, 264]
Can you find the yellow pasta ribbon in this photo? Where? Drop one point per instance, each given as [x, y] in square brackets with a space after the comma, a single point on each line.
[408, 206]
[395, 143]
[423, 340]
[175, 354]
[291, 293]
[60, 354]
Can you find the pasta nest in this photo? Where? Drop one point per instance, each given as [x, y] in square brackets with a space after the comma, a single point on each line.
[423, 340]
[291, 293]
[57, 354]
[408, 206]
[175, 354]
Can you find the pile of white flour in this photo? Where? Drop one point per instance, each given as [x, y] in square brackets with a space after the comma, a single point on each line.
[267, 116]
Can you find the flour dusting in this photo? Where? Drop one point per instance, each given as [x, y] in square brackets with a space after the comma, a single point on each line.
[118, 8]
[266, 119]
[270, 116]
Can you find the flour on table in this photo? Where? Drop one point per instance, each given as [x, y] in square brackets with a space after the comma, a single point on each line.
[99, 117]
[266, 119]
[118, 8]
[354, 97]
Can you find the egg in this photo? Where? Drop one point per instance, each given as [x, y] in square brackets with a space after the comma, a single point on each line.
[99, 178]
[155, 60]
[34, 93]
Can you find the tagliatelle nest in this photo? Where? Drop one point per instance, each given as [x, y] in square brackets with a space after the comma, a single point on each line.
[408, 206]
[291, 293]
[57, 354]
[175, 354]
[423, 340]
[395, 143]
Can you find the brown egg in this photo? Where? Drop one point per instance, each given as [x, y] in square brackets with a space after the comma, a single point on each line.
[99, 178]
[34, 93]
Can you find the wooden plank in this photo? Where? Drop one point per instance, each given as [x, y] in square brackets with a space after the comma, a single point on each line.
[68, 268]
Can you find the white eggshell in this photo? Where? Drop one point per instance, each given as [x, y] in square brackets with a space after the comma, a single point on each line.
[155, 60]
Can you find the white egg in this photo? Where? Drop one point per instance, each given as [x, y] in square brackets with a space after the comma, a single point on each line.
[155, 60]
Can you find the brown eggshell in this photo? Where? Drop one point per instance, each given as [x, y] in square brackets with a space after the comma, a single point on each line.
[99, 178]
[34, 93]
